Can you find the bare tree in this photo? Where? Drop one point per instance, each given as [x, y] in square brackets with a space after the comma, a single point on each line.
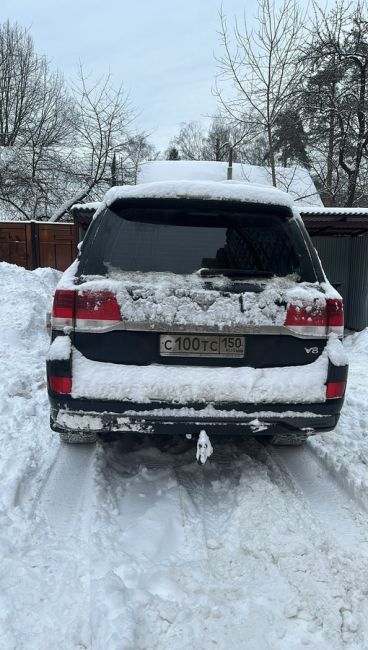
[103, 115]
[190, 141]
[196, 142]
[59, 145]
[135, 150]
[336, 98]
[19, 68]
[35, 123]
[262, 69]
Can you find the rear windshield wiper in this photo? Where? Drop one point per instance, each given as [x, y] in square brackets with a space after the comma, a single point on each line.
[234, 273]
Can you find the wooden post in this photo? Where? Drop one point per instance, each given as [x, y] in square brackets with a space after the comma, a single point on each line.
[34, 246]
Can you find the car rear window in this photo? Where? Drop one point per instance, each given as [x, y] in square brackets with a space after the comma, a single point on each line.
[184, 241]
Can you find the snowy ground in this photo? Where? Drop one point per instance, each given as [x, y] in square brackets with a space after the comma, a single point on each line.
[133, 546]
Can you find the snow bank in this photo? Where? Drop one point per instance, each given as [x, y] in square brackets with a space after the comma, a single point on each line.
[345, 450]
[28, 600]
[25, 299]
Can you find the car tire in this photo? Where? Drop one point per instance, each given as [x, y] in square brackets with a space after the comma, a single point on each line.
[285, 439]
[78, 437]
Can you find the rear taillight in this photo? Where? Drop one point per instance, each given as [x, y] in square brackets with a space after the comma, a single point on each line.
[335, 389]
[60, 384]
[317, 318]
[97, 305]
[335, 316]
[85, 309]
[307, 318]
[63, 307]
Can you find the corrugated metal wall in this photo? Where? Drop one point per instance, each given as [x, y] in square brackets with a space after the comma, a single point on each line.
[358, 283]
[345, 260]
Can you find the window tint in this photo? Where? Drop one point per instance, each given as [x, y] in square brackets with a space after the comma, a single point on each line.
[181, 241]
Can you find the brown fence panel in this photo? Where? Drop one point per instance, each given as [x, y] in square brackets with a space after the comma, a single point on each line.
[16, 243]
[32, 244]
[55, 245]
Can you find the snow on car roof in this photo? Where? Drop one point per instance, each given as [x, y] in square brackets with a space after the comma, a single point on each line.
[208, 190]
[90, 205]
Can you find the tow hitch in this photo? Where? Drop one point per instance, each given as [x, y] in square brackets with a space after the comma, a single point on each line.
[204, 447]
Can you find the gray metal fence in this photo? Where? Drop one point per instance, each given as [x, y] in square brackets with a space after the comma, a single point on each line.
[345, 261]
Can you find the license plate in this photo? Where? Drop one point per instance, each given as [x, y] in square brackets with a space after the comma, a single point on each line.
[191, 345]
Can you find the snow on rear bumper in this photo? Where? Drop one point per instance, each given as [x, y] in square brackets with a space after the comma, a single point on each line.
[200, 385]
[186, 421]
[183, 385]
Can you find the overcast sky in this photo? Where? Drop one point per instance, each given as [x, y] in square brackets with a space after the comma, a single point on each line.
[162, 50]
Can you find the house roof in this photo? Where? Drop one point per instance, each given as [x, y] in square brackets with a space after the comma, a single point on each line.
[296, 181]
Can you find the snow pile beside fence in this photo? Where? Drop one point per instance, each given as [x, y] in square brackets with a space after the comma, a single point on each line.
[25, 436]
[345, 450]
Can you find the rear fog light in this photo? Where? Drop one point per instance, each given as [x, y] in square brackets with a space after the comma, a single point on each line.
[335, 389]
[61, 384]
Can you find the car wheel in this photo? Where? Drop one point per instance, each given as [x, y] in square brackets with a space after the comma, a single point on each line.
[78, 437]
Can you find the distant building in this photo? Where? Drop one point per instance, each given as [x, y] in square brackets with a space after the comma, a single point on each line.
[294, 180]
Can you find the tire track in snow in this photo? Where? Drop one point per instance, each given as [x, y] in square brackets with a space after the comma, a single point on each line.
[250, 537]
[342, 519]
[204, 486]
[65, 495]
[192, 516]
[340, 532]
[60, 570]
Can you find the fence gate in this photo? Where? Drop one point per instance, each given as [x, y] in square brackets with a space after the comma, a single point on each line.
[56, 246]
[16, 243]
[36, 243]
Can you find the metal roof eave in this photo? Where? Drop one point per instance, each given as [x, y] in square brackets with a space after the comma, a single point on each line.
[322, 222]
[342, 222]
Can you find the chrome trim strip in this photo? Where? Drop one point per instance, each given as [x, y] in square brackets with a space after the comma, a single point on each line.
[98, 326]
[60, 323]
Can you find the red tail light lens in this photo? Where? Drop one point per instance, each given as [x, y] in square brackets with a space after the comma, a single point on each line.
[97, 305]
[63, 306]
[335, 316]
[306, 315]
[84, 307]
[335, 389]
[316, 318]
[61, 384]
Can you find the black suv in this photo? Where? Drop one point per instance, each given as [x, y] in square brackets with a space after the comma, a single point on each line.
[196, 306]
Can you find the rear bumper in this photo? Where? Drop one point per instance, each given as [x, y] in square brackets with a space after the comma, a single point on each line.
[160, 419]
[283, 415]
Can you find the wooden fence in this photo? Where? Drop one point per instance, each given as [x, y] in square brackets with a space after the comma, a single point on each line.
[34, 243]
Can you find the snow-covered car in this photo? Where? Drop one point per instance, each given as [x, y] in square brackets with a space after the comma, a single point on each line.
[196, 306]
